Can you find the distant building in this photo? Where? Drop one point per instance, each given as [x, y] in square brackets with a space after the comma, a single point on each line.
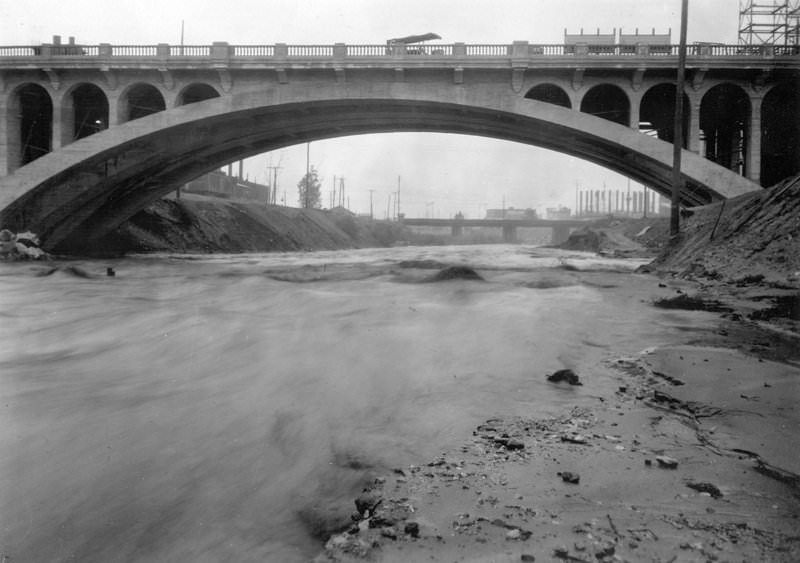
[559, 212]
[511, 213]
[221, 185]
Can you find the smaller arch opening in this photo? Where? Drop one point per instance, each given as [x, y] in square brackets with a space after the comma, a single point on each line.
[143, 100]
[549, 93]
[724, 117]
[90, 110]
[197, 92]
[657, 113]
[780, 133]
[35, 119]
[609, 102]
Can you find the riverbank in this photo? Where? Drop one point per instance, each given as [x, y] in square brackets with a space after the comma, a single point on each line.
[687, 452]
[197, 223]
[684, 452]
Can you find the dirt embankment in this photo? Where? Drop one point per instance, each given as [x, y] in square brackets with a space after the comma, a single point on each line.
[751, 239]
[198, 223]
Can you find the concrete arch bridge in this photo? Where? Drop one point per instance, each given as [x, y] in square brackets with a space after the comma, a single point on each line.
[89, 135]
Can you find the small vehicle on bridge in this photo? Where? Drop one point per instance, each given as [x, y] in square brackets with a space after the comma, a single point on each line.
[394, 45]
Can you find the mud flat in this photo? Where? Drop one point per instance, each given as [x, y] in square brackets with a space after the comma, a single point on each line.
[691, 454]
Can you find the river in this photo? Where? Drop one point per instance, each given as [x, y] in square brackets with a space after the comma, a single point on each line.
[217, 408]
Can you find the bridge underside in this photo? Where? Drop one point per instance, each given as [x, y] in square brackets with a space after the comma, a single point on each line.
[82, 192]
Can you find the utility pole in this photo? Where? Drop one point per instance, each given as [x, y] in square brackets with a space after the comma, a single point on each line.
[308, 172]
[398, 196]
[370, 204]
[272, 198]
[674, 218]
[333, 193]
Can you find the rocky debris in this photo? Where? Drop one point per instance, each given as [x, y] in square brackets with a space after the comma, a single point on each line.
[667, 462]
[20, 246]
[569, 477]
[692, 303]
[566, 375]
[456, 273]
[703, 487]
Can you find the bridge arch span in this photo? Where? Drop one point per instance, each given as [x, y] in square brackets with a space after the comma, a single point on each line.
[73, 197]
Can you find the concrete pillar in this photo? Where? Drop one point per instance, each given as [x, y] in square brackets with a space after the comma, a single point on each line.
[753, 158]
[114, 109]
[4, 137]
[694, 124]
[58, 124]
[509, 233]
[456, 229]
[635, 102]
[560, 234]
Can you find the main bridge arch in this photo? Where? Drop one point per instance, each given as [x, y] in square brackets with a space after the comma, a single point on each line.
[88, 188]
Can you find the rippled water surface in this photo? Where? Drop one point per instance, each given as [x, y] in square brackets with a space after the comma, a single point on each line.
[217, 408]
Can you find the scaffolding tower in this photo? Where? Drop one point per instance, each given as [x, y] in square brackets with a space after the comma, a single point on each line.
[769, 22]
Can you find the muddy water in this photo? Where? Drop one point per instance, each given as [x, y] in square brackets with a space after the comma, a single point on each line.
[221, 408]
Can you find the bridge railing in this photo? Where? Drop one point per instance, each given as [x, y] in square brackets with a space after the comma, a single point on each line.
[253, 50]
[134, 50]
[518, 48]
[189, 51]
[310, 50]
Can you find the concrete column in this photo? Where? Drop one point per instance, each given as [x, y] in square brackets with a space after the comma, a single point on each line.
[753, 162]
[114, 118]
[635, 100]
[64, 107]
[694, 124]
[4, 138]
[509, 233]
[560, 234]
[58, 124]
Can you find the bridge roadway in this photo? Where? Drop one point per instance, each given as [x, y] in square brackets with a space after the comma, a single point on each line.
[116, 127]
[560, 227]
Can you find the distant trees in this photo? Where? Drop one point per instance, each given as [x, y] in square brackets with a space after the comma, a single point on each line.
[309, 190]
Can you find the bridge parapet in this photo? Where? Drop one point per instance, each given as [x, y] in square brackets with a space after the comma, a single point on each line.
[97, 55]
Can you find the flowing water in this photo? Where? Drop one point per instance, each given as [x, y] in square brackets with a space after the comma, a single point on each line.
[222, 408]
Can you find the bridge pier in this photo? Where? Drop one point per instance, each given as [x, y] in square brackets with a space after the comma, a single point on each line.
[560, 233]
[509, 233]
[456, 230]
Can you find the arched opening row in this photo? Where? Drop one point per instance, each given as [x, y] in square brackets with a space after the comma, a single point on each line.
[723, 127]
[84, 111]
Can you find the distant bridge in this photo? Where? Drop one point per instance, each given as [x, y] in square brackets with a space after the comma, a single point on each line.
[90, 134]
[560, 227]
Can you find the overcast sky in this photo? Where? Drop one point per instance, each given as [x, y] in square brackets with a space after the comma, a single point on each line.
[447, 173]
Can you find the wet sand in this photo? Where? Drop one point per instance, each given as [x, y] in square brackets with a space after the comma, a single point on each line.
[688, 452]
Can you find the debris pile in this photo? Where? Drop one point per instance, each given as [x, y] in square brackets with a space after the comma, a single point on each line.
[20, 246]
